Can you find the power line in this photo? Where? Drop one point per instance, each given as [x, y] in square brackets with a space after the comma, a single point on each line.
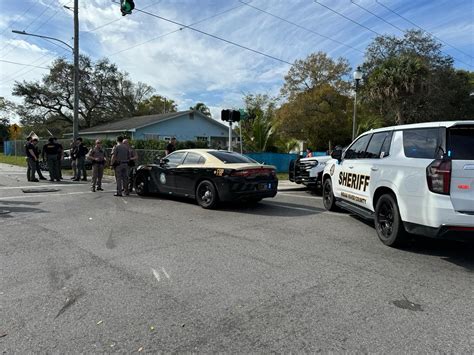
[379, 17]
[214, 36]
[27, 65]
[398, 28]
[49, 19]
[371, 30]
[19, 17]
[179, 29]
[347, 18]
[302, 27]
[14, 75]
[118, 19]
[41, 14]
[421, 28]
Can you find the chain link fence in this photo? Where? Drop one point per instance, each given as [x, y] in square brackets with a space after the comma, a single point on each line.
[145, 156]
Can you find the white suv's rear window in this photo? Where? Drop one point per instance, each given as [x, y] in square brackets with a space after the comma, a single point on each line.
[421, 143]
[461, 143]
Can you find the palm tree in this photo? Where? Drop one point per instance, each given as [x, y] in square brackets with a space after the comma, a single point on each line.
[201, 107]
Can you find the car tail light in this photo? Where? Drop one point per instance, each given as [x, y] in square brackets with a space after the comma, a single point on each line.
[438, 175]
[254, 172]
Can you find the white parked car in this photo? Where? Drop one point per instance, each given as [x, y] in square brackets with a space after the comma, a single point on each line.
[416, 178]
[308, 171]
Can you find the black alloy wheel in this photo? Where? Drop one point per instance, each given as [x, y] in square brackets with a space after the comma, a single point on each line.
[206, 195]
[328, 197]
[388, 223]
[141, 184]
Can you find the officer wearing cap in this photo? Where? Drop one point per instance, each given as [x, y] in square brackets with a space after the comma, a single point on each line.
[50, 154]
[98, 157]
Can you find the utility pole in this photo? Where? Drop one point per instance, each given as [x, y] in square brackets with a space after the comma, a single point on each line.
[230, 136]
[75, 120]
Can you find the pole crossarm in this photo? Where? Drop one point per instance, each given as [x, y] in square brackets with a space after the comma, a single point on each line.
[41, 36]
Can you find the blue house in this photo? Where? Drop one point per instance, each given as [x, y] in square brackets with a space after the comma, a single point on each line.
[185, 126]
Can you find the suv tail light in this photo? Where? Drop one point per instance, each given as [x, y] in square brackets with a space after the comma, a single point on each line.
[438, 176]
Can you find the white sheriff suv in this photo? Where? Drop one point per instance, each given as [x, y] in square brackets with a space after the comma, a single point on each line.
[308, 171]
[416, 178]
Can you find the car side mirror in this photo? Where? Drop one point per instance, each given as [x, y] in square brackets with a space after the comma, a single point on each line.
[163, 161]
[337, 154]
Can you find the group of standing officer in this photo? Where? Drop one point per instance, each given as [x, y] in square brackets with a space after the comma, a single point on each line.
[52, 153]
[122, 159]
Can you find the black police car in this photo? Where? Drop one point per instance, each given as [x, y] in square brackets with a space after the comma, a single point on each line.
[209, 176]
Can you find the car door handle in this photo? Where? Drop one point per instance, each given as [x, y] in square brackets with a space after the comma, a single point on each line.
[351, 167]
[374, 168]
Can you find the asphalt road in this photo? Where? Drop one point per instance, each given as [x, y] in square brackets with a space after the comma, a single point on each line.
[90, 272]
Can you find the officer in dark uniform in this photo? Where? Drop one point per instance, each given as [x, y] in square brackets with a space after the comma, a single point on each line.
[51, 151]
[60, 157]
[81, 158]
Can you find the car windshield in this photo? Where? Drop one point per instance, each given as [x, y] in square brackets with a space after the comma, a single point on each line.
[231, 157]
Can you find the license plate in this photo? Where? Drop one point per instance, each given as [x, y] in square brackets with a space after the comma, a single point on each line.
[264, 186]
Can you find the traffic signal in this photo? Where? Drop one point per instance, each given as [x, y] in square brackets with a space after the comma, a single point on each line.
[126, 7]
[230, 115]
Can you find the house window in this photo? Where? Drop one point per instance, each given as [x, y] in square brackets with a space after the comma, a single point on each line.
[202, 139]
[151, 136]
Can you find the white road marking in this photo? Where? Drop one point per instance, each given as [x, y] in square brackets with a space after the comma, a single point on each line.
[164, 272]
[13, 173]
[300, 196]
[156, 274]
[42, 195]
[124, 201]
[308, 209]
[43, 185]
[292, 208]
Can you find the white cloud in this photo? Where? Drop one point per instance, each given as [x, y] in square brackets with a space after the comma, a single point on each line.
[190, 67]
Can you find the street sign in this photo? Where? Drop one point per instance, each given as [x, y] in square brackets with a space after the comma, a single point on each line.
[14, 132]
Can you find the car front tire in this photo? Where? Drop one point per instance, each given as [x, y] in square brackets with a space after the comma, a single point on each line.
[328, 196]
[141, 185]
[388, 223]
[206, 195]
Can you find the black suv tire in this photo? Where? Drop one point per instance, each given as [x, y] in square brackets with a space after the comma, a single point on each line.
[388, 223]
[328, 197]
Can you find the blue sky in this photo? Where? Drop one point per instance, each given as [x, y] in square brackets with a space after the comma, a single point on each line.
[190, 67]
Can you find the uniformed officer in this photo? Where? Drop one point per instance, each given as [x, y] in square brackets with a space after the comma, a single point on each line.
[98, 157]
[133, 157]
[32, 158]
[50, 154]
[171, 147]
[73, 156]
[119, 162]
[81, 157]
[60, 157]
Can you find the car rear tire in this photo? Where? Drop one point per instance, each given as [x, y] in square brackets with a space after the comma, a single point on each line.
[388, 223]
[206, 195]
[141, 184]
[328, 197]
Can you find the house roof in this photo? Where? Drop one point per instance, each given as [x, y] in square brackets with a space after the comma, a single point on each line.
[133, 123]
